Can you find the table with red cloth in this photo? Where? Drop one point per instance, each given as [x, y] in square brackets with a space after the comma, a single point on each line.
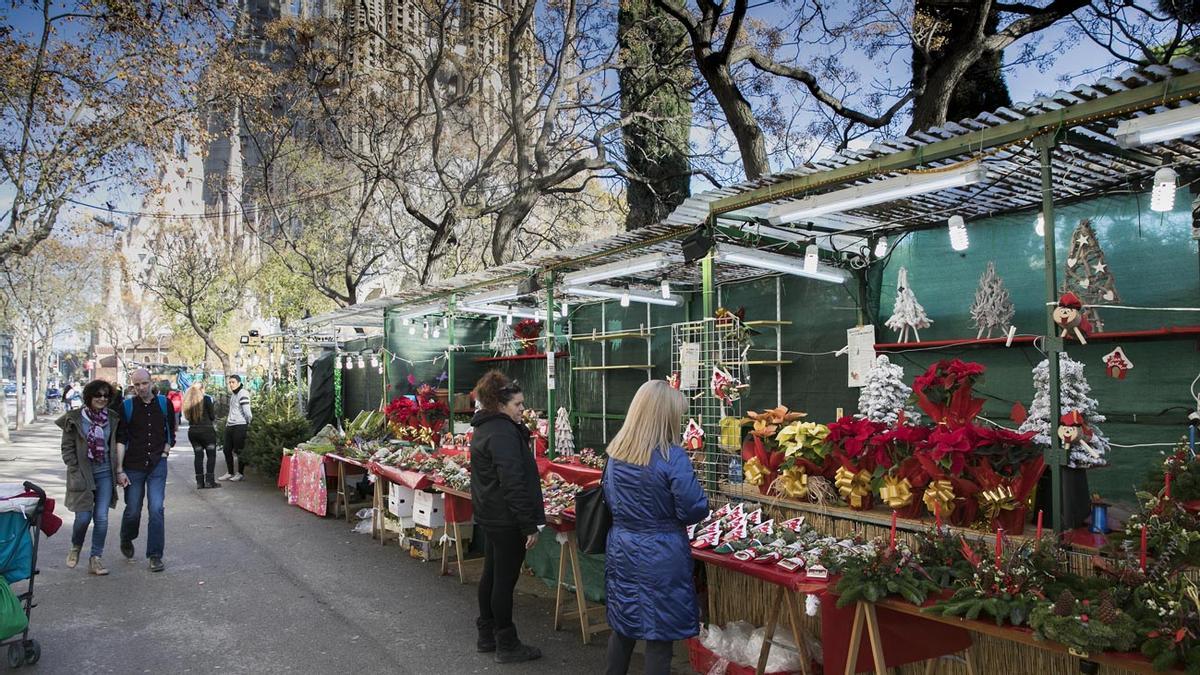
[306, 486]
[572, 472]
[285, 470]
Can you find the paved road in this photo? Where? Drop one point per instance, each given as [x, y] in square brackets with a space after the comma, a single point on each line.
[253, 585]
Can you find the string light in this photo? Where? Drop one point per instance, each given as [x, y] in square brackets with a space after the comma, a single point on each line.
[349, 363]
[812, 257]
[374, 360]
[1040, 225]
[881, 247]
[1162, 198]
[361, 365]
[959, 241]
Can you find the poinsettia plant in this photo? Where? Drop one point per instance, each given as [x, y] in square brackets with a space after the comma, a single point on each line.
[761, 451]
[528, 331]
[803, 444]
[945, 392]
[419, 418]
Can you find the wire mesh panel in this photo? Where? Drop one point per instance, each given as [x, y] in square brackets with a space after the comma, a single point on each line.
[703, 354]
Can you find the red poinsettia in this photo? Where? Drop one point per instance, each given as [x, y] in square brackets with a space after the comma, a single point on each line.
[950, 447]
[945, 391]
[423, 411]
[851, 437]
[895, 445]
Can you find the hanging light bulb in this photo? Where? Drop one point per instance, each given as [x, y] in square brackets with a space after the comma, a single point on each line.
[380, 369]
[958, 233]
[374, 360]
[508, 318]
[349, 363]
[412, 330]
[1040, 225]
[437, 332]
[1162, 198]
[665, 289]
[360, 363]
[445, 322]
[812, 257]
[881, 247]
[425, 330]
[565, 308]
[625, 299]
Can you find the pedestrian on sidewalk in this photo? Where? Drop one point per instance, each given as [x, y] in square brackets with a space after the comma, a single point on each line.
[506, 493]
[147, 436]
[90, 451]
[199, 410]
[652, 491]
[235, 428]
[176, 400]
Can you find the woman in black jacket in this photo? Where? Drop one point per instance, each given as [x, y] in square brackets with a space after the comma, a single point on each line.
[199, 410]
[507, 495]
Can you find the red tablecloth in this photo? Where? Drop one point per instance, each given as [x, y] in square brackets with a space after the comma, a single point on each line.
[306, 482]
[362, 464]
[413, 479]
[285, 472]
[458, 505]
[771, 574]
[574, 473]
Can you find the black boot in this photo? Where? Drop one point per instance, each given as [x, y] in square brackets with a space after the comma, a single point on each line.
[509, 648]
[487, 635]
[210, 482]
[200, 482]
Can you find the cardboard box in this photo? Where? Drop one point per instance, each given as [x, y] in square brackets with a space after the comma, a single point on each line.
[425, 551]
[400, 500]
[429, 508]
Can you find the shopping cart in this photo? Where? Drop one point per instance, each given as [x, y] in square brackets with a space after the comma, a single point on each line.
[23, 509]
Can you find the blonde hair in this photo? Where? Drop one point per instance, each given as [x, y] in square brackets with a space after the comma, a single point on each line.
[653, 422]
[193, 402]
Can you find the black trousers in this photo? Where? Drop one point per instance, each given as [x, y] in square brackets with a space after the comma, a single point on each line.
[620, 650]
[204, 445]
[503, 553]
[235, 441]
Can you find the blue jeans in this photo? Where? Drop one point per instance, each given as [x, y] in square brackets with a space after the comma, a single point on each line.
[141, 484]
[102, 473]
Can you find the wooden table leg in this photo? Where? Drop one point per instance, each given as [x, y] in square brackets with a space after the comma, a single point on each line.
[341, 492]
[794, 614]
[856, 631]
[872, 620]
[577, 577]
[558, 593]
[458, 555]
[772, 619]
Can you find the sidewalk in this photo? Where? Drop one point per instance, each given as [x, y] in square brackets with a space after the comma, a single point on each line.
[254, 585]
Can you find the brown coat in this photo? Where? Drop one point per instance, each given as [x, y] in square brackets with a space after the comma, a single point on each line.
[81, 486]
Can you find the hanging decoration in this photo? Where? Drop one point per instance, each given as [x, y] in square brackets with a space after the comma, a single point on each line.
[564, 438]
[885, 395]
[1073, 432]
[1087, 274]
[908, 314]
[993, 308]
[504, 342]
[1075, 395]
[1070, 317]
[693, 436]
[725, 388]
[1116, 364]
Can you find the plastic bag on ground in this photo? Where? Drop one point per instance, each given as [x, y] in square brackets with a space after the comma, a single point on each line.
[783, 656]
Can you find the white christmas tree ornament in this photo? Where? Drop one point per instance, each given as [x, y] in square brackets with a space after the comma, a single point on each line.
[908, 313]
[1075, 396]
[993, 308]
[885, 394]
[564, 439]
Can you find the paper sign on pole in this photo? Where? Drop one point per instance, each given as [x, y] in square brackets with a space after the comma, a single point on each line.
[550, 370]
[860, 352]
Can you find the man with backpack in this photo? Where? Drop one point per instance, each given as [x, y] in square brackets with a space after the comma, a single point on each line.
[146, 438]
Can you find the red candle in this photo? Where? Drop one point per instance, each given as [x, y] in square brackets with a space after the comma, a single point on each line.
[1143, 556]
[999, 545]
[1167, 492]
[937, 513]
[892, 546]
[1039, 529]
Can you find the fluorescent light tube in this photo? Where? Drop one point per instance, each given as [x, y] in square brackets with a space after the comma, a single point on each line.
[609, 293]
[1159, 127]
[498, 295]
[878, 192]
[418, 312]
[622, 268]
[736, 255]
[497, 310]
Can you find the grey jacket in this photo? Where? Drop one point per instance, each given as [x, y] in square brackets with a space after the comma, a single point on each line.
[239, 409]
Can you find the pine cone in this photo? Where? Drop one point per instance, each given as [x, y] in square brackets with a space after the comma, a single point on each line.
[1065, 605]
[1107, 612]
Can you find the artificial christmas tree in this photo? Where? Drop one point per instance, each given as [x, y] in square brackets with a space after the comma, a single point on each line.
[504, 342]
[1075, 395]
[993, 308]
[564, 440]
[908, 313]
[885, 394]
[1087, 274]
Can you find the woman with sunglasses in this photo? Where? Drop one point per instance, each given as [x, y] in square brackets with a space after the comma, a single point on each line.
[506, 493]
[89, 449]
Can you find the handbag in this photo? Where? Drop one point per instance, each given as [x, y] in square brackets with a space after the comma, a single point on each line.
[592, 518]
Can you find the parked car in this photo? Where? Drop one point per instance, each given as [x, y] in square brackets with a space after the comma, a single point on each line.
[10, 389]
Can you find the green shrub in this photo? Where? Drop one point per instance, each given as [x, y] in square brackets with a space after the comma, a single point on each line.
[276, 425]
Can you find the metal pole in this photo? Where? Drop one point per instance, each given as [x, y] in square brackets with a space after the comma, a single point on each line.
[551, 345]
[1054, 344]
[450, 337]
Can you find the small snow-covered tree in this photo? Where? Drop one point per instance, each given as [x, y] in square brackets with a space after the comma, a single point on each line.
[908, 313]
[1075, 396]
[564, 439]
[504, 343]
[993, 308]
[885, 394]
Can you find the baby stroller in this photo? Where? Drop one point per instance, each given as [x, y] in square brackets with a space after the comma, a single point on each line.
[25, 513]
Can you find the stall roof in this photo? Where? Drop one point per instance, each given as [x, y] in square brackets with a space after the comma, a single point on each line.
[1088, 162]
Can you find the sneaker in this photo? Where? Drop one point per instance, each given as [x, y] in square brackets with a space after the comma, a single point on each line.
[227, 476]
[127, 548]
[96, 567]
[73, 556]
[156, 565]
[237, 476]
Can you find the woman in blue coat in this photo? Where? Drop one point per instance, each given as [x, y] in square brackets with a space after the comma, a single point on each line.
[653, 493]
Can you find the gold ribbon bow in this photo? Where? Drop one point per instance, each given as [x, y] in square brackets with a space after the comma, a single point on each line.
[754, 471]
[896, 492]
[939, 494]
[854, 487]
[996, 500]
[793, 483]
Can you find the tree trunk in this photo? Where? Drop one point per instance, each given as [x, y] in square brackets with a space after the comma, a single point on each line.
[19, 397]
[739, 115]
[509, 220]
[650, 79]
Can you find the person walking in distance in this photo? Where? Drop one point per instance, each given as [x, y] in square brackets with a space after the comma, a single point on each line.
[202, 434]
[89, 449]
[147, 436]
[507, 497]
[235, 428]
